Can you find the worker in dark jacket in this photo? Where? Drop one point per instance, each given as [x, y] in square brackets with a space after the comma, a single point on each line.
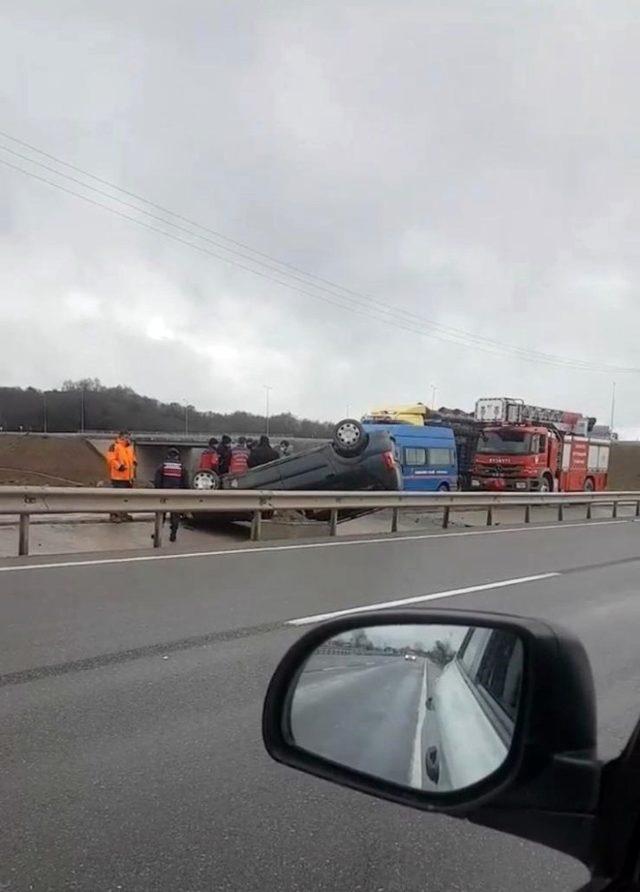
[224, 453]
[172, 474]
[262, 453]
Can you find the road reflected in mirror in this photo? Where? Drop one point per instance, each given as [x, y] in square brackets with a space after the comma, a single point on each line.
[431, 707]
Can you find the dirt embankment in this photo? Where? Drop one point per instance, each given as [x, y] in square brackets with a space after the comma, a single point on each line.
[39, 460]
[624, 467]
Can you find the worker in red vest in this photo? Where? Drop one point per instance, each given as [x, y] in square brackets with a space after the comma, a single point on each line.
[239, 462]
[172, 474]
[210, 460]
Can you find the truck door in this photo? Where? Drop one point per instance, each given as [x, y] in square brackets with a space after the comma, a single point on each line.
[415, 472]
[442, 462]
[427, 468]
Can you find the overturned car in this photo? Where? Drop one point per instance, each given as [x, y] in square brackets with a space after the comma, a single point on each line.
[352, 460]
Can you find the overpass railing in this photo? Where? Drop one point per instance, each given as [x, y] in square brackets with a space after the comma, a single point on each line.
[25, 501]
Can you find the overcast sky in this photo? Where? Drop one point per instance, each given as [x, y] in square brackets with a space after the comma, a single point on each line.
[473, 163]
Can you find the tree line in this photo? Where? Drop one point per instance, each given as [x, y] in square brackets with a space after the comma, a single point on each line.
[89, 405]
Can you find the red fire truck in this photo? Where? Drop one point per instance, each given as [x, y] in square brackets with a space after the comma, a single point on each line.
[524, 447]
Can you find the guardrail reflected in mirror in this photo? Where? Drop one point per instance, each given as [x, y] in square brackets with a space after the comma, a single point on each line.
[432, 707]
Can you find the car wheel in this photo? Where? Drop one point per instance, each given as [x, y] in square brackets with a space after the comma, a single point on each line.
[349, 437]
[444, 487]
[205, 480]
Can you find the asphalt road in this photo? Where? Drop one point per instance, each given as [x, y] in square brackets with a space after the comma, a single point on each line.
[131, 692]
[365, 716]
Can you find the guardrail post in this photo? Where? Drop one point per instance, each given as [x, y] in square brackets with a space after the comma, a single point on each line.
[158, 517]
[589, 504]
[615, 509]
[489, 516]
[638, 509]
[445, 518]
[333, 522]
[23, 535]
[256, 526]
[527, 513]
[560, 512]
[395, 515]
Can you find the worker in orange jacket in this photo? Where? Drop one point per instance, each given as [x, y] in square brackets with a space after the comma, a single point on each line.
[122, 465]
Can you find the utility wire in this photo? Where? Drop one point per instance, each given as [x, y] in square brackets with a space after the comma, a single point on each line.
[371, 313]
[468, 337]
[373, 309]
[190, 244]
[452, 334]
[217, 234]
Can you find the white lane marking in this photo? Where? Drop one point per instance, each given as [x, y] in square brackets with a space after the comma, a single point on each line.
[301, 546]
[416, 763]
[419, 599]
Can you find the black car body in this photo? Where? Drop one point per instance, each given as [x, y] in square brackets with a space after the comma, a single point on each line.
[325, 468]
[352, 460]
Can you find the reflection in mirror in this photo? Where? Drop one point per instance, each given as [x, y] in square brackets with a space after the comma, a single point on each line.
[427, 706]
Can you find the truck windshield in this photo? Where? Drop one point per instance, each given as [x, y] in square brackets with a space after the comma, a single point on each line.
[507, 441]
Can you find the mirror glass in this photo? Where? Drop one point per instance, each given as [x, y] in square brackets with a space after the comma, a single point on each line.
[431, 707]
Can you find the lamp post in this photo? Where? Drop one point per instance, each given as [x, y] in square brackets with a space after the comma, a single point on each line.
[434, 390]
[267, 391]
[613, 405]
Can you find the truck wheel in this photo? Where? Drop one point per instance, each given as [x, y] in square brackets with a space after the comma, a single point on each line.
[444, 487]
[349, 437]
[205, 480]
[589, 485]
[544, 485]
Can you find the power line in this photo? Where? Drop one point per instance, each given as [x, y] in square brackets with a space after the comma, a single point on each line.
[371, 313]
[450, 334]
[364, 306]
[454, 334]
[201, 226]
[181, 240]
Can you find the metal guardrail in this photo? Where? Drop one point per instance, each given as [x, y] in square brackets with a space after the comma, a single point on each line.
[27, 500]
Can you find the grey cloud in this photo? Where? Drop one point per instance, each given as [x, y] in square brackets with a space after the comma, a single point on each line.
[475, 163]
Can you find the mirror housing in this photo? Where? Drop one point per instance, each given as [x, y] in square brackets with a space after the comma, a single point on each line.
[546, 790]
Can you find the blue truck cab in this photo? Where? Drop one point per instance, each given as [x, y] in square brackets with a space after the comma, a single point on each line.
[426, 455]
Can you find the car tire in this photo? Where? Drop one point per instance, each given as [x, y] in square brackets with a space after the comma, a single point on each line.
[444, 487]
[206, 480]
[349, 437]
[432, 764]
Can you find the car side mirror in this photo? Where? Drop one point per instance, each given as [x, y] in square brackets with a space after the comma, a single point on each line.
[477, 715]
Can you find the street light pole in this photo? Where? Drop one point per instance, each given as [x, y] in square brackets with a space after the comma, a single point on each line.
[44, 411]
[613, 405]
[186, 417]
[82, 410]
[434, 390]
[267, 390]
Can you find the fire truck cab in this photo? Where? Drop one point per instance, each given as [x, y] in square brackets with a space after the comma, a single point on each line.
[531, 448]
